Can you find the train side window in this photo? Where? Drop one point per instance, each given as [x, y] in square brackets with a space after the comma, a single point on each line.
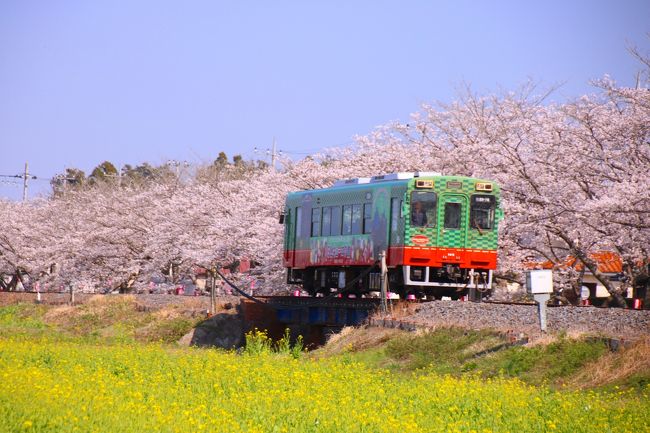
[327, 221]
[395, 213]
[367, 218]
[347, 220]
[452, 215]
[298, 221]
[336, 221]
[315, 222]
[357, 220]
[482, 212]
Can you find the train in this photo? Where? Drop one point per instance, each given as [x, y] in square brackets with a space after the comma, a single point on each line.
[438, 233]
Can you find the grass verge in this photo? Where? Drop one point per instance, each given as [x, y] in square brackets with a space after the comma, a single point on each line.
[102, 319]
[576, 363]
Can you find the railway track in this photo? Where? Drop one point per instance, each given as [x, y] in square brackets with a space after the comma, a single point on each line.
[62, 297]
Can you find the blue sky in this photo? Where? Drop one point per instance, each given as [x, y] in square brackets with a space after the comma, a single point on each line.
[133, 81]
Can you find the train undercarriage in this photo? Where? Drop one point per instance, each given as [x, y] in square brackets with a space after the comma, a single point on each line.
[407, 282]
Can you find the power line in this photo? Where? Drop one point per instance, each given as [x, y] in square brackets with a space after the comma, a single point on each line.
[306, 152]
[295, 153]
[35, 177]
[26, 177]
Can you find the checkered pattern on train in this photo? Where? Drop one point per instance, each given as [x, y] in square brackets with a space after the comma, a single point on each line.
[487, 240]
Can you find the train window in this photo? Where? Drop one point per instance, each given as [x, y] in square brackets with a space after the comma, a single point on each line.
[367, 218]
[347, 220]
[327, 221]
[315, 222]
[357, 220]
[336, 221]
[482, 212]
[423, 208]
[395, 213]
[452, 215]
[298, 221]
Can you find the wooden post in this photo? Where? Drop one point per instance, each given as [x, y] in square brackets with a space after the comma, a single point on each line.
[213, 294]
[71, 294]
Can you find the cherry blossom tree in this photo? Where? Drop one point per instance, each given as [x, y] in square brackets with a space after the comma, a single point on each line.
[574, 178]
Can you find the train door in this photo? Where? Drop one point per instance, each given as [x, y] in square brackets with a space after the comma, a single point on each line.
[289, 243]
[452, 217]
[396, 229]
[294, 233]
[396, 237]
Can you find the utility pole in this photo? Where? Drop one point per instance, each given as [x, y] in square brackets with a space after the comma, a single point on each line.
[177, 165]
[273, 155]
[273, 152]
[25, 177]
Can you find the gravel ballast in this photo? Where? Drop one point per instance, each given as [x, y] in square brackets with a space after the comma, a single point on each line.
[612, 322]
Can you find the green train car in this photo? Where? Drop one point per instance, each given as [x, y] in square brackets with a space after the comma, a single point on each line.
[439, 234]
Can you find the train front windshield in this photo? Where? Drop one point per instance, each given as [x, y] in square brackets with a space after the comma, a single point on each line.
[423, 208]
[482, 213]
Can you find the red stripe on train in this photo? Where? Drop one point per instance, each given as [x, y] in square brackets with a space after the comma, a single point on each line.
[414, 256]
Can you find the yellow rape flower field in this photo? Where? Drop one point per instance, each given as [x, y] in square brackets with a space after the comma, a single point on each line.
[55, 386]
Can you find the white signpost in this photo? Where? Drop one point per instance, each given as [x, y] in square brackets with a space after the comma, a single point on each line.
[584, 295]
[540, 284]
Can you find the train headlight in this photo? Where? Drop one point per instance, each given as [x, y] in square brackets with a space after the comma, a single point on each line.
[484, 186]
[424, 184]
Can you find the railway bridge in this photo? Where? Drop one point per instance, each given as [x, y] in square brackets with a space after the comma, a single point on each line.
[314, 318]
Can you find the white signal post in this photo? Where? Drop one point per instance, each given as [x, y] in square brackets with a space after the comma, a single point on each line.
[540, 284]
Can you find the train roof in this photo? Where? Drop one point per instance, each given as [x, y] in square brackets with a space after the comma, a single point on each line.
[384, 178]
[392, 179]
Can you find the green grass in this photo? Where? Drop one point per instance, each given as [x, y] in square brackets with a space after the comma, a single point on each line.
[168, 331]
[445, 351]
[105, 321]
[23, 319]
[457, 352]
[554, 362]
